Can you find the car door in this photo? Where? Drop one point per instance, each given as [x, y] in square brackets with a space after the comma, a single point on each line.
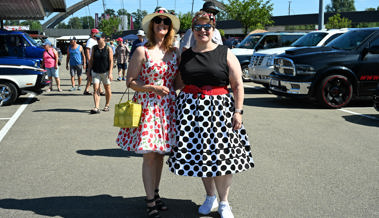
[368, 69]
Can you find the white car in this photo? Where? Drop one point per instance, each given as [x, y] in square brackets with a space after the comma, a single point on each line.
[261, 62]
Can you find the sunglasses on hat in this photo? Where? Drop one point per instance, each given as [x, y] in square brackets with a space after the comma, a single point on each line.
[158, 20]
[199, 27]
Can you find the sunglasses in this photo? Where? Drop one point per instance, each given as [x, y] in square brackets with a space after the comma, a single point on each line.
[199, 27]
[158, 20]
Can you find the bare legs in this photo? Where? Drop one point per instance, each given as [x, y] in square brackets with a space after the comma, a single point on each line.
[220, 183]
[57, 80]
[151, 172]
[151, 176]
[96, 95]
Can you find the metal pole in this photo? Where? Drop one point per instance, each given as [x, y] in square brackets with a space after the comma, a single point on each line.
[192, 8]
[321, 15]
[289, 7]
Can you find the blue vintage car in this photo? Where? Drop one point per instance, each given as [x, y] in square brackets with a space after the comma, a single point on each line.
[20, 71]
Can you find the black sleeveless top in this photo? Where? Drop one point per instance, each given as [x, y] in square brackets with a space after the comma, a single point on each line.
[207, 68]
[100, 59]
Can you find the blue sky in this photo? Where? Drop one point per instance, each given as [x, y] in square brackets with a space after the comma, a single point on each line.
[183, 6]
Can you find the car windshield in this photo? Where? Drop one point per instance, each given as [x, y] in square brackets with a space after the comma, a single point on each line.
[350, 40]
[31, 40]
[310, 39]
[249, 42]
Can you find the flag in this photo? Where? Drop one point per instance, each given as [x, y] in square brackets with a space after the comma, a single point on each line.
[131, 23]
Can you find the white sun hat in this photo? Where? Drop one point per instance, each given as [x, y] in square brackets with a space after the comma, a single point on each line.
[160, 12]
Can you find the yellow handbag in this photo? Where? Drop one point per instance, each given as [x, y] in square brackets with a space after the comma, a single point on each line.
[128, 114]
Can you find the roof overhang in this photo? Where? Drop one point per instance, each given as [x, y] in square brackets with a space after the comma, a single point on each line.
[29, 9]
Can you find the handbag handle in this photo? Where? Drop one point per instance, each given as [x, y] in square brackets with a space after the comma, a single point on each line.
[126, 90]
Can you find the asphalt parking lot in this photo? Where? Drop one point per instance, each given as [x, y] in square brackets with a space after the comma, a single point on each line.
[57, 160]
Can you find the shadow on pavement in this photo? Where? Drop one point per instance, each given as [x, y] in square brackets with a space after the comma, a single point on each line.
[70, 110]
[281, 102]
[97, 206]
[364, 121]
[114, 152]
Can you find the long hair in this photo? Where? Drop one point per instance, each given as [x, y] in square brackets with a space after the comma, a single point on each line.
[168, 39]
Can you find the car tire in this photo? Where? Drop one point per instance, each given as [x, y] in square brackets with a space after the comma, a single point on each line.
[335, 91]
[245, 73]
[8, 93]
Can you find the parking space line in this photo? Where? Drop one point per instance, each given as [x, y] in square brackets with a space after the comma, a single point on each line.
[253, 87]
[363, 115]
[5, 118]
[14, 118]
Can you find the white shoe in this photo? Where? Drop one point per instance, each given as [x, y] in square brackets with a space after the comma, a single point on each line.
[210, 204]
[225, 210]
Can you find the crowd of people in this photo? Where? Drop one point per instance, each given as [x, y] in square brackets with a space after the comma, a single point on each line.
[200, 128]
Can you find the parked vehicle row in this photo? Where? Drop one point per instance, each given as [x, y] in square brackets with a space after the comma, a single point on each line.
[258, 41]
[20, 61]
[262, 62]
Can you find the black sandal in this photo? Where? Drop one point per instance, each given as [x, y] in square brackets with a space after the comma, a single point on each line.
[150, 210]
[158, 201]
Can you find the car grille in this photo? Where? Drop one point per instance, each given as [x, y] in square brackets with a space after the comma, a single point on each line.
[256, 60]
[284, 66]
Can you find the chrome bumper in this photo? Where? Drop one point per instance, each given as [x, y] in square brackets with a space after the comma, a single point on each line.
[260, 74]
[288, 87]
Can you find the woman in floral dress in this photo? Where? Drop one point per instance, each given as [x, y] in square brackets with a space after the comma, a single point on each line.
[151, 74]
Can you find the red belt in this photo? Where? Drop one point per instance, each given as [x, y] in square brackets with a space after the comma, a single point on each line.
[205, 90]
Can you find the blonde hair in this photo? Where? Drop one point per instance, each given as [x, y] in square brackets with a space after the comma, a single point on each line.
[203, 16]
[168, 39]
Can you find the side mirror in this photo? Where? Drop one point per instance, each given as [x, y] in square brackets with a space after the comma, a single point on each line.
[373, 49]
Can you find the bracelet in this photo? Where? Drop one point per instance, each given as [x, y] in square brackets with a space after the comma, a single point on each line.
[240, 111]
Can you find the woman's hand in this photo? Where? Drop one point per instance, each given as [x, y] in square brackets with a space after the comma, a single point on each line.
[237, 121]
[161, 90]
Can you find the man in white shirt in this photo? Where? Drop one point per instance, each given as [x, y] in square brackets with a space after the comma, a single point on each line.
[188, 38]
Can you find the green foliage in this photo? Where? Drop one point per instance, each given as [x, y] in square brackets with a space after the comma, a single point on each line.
[370, 9]
[122, 12]
[88, 22]
[33, 24]
[75, 23]
[222, 15]
[336, 22]
[137, 18]
[301, 27]
[185, 21]
[252, 14]
[109, 26]
[340, 6]
[110, 12]
[222, 33]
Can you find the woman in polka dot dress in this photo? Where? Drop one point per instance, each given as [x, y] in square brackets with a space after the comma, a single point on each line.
[211, 140]
[151, 74]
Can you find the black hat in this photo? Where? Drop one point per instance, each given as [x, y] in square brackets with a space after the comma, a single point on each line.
[210, 7]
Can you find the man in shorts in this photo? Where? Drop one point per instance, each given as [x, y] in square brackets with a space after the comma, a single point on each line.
[77, 60]
[121, 55]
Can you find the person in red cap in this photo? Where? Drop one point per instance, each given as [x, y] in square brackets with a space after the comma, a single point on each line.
[90, 43]
[121, 55]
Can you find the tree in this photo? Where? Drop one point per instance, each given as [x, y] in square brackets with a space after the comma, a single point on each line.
[122, 11]
[137, 18]
[185, 21]
[336, 22]
[251, 13]
[370, 9]
[62, 25]
[222, 15]
[109, 26]
[87, 22]
[33, 24]
[110, 12]
[75, 23]
[340, 6]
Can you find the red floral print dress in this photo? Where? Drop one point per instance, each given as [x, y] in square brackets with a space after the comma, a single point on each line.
[156, 132]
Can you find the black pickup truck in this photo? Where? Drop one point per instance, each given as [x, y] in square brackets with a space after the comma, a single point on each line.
[346, 67]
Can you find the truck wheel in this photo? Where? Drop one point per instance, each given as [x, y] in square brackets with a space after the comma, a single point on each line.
[8, 93]
[335, 91]
[245, 73]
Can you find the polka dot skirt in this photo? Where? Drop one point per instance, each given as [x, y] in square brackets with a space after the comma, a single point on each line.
[207, 145]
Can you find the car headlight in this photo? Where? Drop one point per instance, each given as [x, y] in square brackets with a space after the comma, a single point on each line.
[304, 69]
[270, 60]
